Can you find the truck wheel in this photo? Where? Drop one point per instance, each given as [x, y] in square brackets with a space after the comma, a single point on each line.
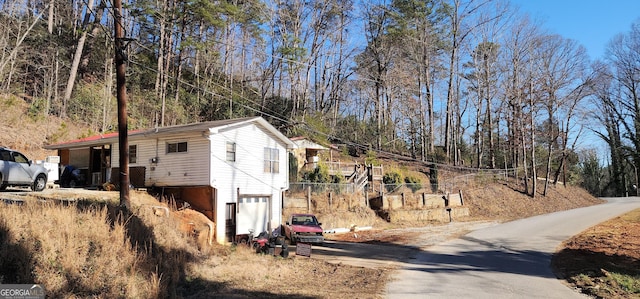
[40, 183]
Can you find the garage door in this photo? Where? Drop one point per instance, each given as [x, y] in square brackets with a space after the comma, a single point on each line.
[253, 213]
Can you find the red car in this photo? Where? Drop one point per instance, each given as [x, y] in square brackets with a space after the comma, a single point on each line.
[304, 228]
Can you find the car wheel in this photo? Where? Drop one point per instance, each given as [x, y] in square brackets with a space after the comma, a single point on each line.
[40, 183]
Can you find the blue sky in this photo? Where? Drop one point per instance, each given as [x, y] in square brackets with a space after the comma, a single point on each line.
[590, 22]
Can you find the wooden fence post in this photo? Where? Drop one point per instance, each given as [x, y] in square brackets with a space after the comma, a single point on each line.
[330, 199]
[366, 198]
[309, 199]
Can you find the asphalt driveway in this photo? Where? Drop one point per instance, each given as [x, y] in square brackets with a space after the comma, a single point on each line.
[510, 260]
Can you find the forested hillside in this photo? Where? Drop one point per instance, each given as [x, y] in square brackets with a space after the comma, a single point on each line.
[472, 83]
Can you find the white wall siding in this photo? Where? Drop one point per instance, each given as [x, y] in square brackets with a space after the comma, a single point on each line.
[247, 172]
[174, 169]
[205, 164]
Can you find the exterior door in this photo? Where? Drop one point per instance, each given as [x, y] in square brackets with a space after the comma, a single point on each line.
[253, 214]
[19, 168]
[230, 222]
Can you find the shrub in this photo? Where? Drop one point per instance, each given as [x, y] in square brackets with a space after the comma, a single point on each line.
[293, 168]
[318, 175]
[371, 158]
[392, 180]
[413, 183]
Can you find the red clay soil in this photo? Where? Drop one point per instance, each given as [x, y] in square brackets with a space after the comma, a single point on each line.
[595, 260]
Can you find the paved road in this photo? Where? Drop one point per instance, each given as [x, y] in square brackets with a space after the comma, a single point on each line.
[510, 260]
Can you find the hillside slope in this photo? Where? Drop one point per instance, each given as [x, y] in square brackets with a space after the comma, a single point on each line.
[28, 133]
[506, 202]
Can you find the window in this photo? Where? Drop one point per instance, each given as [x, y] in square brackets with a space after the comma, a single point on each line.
[20, 158]
[177, 147]
[231, 151]
[5, 156]
[271, 160]
[133, 153]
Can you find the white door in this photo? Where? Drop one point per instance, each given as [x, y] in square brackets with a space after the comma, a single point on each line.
[253, 213]
[19, 171]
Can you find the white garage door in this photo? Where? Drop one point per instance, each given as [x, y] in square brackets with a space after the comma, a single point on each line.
[253, 213]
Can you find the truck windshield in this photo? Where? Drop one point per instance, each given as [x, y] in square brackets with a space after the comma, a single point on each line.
[304, 220]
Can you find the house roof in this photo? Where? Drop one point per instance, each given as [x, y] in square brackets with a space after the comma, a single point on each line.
[209, 127]
[304, 142]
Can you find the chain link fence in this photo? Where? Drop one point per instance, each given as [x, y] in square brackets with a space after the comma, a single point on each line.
[317, 188]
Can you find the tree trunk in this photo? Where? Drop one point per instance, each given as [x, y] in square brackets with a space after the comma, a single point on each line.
[534, 171]
[76, 60]
[50, 18]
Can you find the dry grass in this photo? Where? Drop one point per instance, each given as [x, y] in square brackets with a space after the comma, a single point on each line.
[604, 260]
[246, 274]
[17, 124]
[73, 252]
[88, 248]
[508, 202]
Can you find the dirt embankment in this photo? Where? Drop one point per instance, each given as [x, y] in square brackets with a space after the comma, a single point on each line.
[604, 261]
[487, 202]
[28, 133]
[506, 202]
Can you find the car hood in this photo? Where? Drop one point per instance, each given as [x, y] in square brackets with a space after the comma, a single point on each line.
[307, 228]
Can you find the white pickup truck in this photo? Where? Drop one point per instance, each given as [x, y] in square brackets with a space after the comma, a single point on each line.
[17, 170]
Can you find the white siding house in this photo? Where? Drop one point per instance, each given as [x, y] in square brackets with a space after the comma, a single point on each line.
[234, 171]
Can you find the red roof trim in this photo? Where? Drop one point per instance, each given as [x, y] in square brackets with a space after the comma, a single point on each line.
[92, 138]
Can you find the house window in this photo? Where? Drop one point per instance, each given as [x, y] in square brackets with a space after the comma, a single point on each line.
[271, 160]
[133, 153]
[177, 147]
[231, 151]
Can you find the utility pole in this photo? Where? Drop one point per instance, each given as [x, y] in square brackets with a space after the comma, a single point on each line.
[121, 80]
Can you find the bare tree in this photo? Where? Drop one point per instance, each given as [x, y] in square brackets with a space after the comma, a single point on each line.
[20, 33]
[561, 64]
[519, 86]
[419, 26]
[622, 99]
[84, 28]
[459, 12]
[374, 64]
